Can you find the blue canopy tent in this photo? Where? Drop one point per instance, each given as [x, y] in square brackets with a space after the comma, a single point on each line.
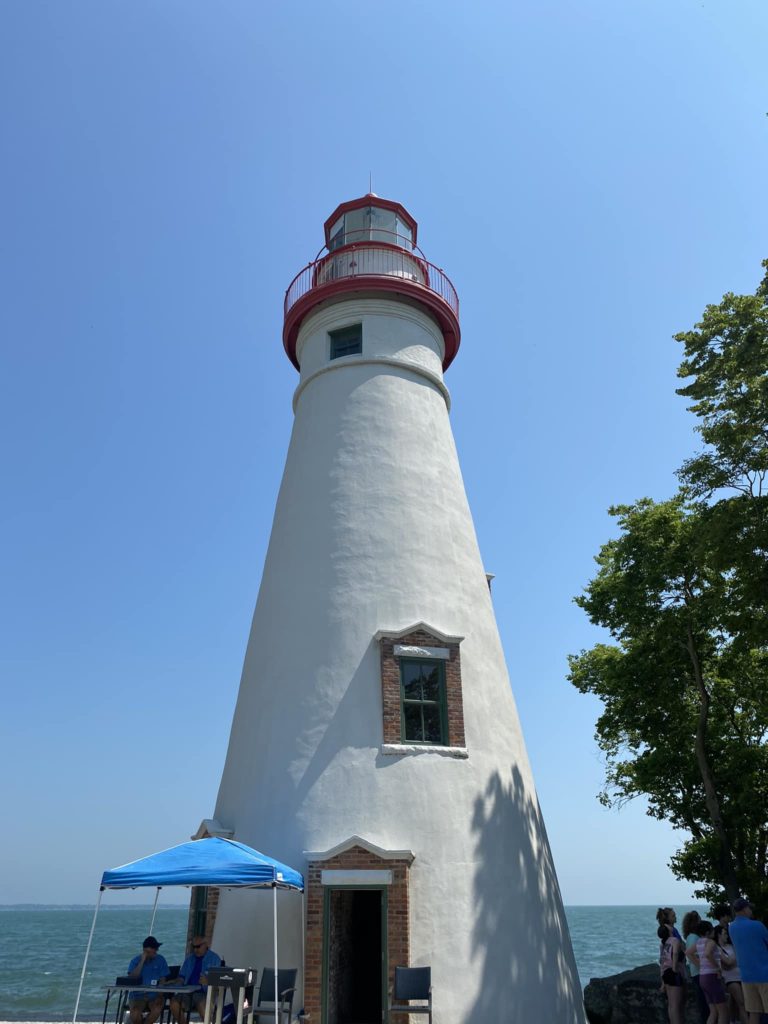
[215, 861]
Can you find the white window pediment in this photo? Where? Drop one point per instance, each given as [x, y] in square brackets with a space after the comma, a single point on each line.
[353, 841]
[418, 627]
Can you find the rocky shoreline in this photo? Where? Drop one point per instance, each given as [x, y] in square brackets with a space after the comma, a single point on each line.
[633, 997]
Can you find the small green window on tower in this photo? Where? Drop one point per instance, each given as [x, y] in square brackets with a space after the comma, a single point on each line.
[422, 695]
[346, 342]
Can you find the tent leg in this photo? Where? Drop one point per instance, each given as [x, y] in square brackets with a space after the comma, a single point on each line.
[274, 922]
[87, 951]
[154, 911]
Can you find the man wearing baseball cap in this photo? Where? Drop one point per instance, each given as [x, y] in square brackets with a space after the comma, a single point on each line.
[151, 969]
[750, 941]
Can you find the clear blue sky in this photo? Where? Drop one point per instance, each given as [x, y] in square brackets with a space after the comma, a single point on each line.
[590, 175]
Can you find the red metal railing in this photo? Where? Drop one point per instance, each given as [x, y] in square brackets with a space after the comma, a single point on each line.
[366, 260]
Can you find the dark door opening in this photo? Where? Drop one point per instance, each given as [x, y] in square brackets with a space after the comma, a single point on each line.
[354, 956]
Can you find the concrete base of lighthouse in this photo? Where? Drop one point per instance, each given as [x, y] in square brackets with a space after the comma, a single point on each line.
[428, 853]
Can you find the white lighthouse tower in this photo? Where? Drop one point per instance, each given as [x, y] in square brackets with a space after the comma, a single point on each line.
[375, 744]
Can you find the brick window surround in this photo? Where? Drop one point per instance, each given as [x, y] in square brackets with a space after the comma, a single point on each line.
[211, 906]
[354, 855]
[420, 636]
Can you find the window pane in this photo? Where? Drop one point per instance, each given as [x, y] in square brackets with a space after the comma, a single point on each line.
[405, 234]
[336, 234]
[430, 689]
[382, 225]
[411, 680]
[432, 730]
[356, 225]
[423, 701]
[346, 342]
[345, 348]
[412, 721]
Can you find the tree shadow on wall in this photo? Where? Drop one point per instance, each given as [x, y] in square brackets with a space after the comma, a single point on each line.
[520, 939]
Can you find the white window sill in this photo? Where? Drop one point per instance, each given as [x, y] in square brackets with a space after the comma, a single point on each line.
[393, 749]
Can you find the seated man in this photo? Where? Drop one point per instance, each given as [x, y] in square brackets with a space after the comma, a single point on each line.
[151, 969]
[193, 972]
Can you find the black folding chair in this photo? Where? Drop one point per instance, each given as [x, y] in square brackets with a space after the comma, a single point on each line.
[286, 989]
[122, 999]
[165, 1016]
[412, 983]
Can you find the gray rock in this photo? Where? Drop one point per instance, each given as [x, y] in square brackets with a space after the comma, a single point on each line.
[633, 997]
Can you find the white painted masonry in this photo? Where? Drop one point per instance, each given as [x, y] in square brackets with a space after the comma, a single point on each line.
[372, 532]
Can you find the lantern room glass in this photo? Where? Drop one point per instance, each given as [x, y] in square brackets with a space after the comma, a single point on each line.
[370, 224]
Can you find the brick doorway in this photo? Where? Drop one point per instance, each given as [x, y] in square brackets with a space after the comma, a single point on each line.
[354, 868]
[355, 961]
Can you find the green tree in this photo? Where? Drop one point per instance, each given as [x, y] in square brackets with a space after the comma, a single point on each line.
[726, 359]
[683, 593]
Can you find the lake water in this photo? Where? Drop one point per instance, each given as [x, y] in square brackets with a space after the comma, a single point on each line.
[42, 948]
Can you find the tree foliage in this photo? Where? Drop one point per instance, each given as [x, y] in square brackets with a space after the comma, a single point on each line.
[726, 357]
[683, 592]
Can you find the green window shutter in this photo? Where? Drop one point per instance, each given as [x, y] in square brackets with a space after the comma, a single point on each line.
[200, 909]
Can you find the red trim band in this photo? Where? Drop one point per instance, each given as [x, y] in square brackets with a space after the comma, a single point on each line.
[447, 319]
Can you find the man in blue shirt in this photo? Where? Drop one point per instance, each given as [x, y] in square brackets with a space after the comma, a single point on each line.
[193, 972]
[150, 969]
[750, 941]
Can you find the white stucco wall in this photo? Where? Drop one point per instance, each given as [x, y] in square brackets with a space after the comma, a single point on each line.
[372, 531]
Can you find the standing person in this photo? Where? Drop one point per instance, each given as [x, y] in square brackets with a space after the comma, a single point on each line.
[708, 953]
[750, 940]
[722, 914]
[691, 921]
[193, 972]
[666, 915]
[731, 973]
[672, 972]
[150, 967]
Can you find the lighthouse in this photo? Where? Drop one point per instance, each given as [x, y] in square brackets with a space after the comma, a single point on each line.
[375, 744]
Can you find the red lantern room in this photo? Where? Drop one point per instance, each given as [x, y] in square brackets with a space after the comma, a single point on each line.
[370, 248]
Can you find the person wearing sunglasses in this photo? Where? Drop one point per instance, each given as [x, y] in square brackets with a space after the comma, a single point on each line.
[193, 972]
